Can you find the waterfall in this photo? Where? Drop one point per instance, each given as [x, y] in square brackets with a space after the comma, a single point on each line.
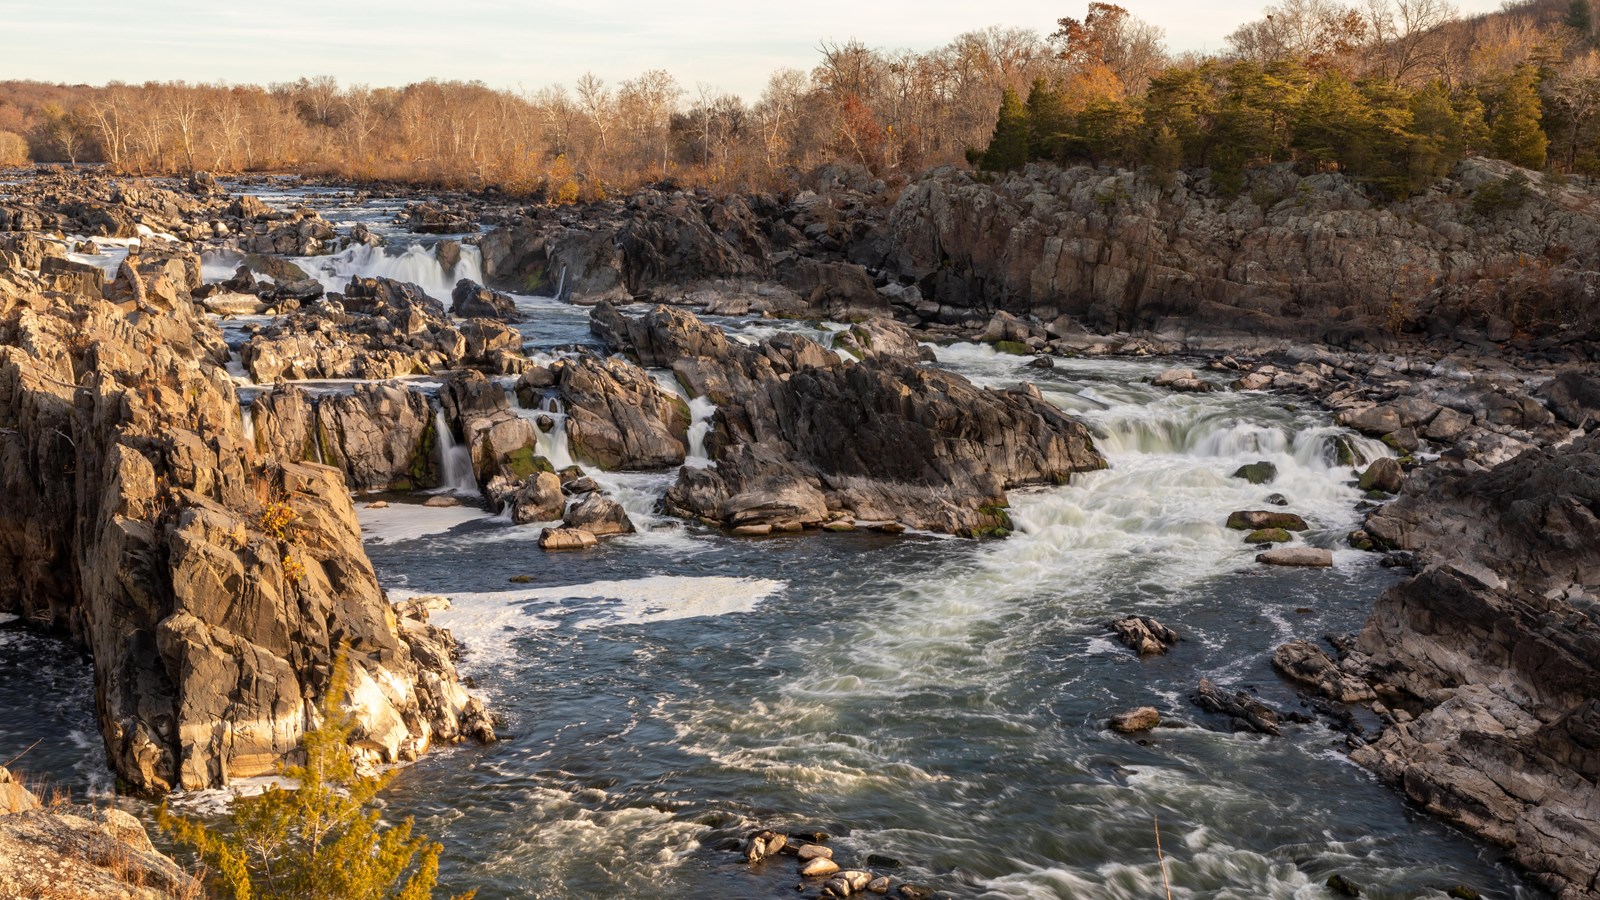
[247, 419]
[455, 461]
[415, 264]
[554, 445]
[701, 410]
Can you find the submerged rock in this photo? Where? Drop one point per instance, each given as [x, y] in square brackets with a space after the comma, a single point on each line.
[1257, 473]
[1258, 519]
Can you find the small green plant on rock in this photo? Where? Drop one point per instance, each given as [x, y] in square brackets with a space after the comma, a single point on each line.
[321, 841]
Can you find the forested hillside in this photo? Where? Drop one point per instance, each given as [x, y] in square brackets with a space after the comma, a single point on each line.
[1391, 91]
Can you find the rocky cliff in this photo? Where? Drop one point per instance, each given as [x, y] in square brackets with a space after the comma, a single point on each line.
[1491, 656]
[211, 583]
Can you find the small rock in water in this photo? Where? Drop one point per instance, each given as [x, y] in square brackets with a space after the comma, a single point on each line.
[441, 500]
[1181, 380]
[1360, 540]
[1277, 500]
[1246, 711]
[753, 530]
[1144, 635]
[566, 539]
[809, 852]
[1306, 663]
[1256, 519]
[819, 868]
[883, 862]
[1042, 362]
[1135, 720]
[1300, 557]
[522, 579]
[1462, 892]
[840, 525]
[1268, 536]
[763, 844]
[1257, 473]
[1383, 475]
[879, 885]
[1343, 886]
[378, 504]
[890, 528]
[916, 892]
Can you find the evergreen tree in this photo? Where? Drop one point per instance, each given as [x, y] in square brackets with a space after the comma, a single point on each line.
[1047, 121]
[1516, 133]
[1438, 141]
[320, 841]
[1008, 150]
[1475, 137]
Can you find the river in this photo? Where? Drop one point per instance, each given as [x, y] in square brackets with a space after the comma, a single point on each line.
[936, 701]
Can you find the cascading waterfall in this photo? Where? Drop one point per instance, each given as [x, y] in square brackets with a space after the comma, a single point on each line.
[701, 409]
[455, 460]
[416, 264]
[247, 419]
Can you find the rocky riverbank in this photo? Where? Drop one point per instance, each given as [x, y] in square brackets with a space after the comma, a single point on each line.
[58, 850]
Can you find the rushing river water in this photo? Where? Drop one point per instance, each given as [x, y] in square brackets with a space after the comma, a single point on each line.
[938, 701]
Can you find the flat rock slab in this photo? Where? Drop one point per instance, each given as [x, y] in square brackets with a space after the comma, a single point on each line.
[1303, 557]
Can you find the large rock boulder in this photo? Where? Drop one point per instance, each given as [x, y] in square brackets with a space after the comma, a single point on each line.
[800, 436]
[618, 417]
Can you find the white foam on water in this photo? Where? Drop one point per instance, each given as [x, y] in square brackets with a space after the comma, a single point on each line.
[399, 522]
[483, 620]
[213, 802]
[557, 836]
[8, 618]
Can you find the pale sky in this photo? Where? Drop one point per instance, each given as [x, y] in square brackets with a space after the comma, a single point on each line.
[732, 46]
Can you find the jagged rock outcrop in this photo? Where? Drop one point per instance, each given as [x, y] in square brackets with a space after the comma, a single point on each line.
[472, 300]
[1494, 652]
[800, 436]
[503, 444]
[378, 329]
[380, 435]
[211, 584]
[618, 417]
[1293, 258]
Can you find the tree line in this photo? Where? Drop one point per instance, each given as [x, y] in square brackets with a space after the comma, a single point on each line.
[1392, 93]
[1389, 90]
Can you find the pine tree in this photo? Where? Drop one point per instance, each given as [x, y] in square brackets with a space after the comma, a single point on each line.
[1009, 148]
[1516, 133]
[320, 841]
[1438, 138]
[1047, 120]
[1474, 129]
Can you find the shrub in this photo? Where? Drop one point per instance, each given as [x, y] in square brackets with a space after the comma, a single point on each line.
[320, 841]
